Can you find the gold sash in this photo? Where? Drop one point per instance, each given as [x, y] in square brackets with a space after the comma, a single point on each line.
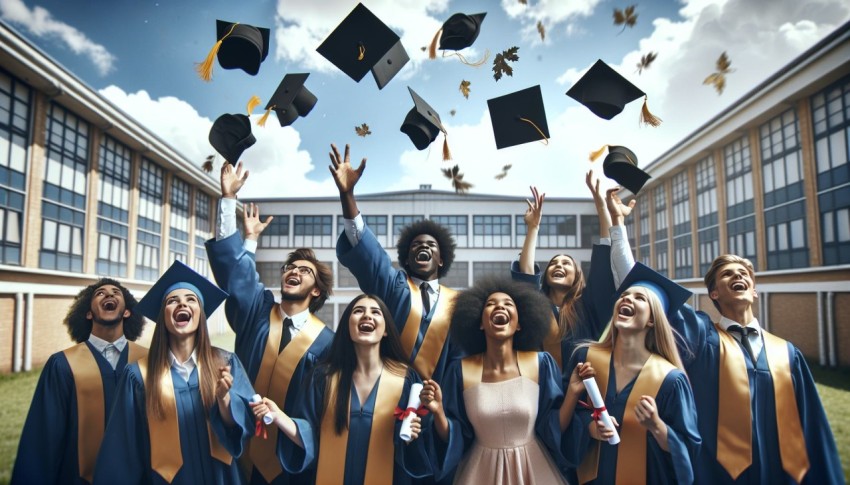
[273, 380]
[91, 415]
[631, 453]
[435, 336]
[166, 455]
[734, 428]
[381, 452]
[472, 368]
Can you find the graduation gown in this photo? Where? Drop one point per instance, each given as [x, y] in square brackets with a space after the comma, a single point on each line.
[411, 460]
[47, 452]
[702, 362]
[369, 263]
[675, 404]
[125, 453]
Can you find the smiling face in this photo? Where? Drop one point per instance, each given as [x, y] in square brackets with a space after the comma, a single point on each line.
[108, 307]
[366, 323]
[298, 283]
[499, 319]
[182, 312]
[734, 285]
[561, 272]
[423, 257]
[632, 311]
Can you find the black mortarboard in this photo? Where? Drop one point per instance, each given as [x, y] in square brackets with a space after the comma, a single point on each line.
[180, 276]
[290, 100]
[620, 165]
[671, 294]
[360, 43]
[605, 93]
[460, 31]
[422, 123]
[519, 117]
[238, 46]
[231, 135]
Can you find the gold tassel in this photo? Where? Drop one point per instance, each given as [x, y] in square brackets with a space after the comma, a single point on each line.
[463, 60]
[252, 103]
[262, 121]
[361, 52]
[648, 118]
[432, 49]
[205, 69]
[447, 155]
[598, 153]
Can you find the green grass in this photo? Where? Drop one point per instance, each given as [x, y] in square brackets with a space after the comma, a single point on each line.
[16, 394]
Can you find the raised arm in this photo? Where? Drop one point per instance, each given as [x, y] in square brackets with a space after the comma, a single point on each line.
[532, 217]
[232, 179]
[346, 177]
[622, 259]
[592, 182]
[252, 223]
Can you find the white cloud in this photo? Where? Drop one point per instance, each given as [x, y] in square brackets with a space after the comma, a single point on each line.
[41, 23]
[556, 15]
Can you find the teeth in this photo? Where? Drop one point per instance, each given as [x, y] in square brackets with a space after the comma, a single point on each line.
[366, 327]
[423, 256]
[626, 311]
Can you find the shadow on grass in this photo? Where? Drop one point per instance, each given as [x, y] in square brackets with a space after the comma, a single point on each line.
[838, 378]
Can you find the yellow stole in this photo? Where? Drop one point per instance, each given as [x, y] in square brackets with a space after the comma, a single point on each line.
[164, 433]
[381, 452]
[273, 380]
[435, 336]
[631, 455]
[734, 428]
[472, 368]
[91, 415]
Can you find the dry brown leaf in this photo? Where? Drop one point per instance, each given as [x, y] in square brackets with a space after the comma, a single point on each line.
[500, 63]
[362, 130]
[626, 18]
[208, 164]
[464, 88]
[456, 177]
[541, 30]
[718, 78]
[524, 2]
[453, 112]
[504, 172]
[645, 61]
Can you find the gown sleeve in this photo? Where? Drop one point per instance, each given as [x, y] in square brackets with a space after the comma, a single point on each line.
[233, 438]
[576, 439]
[447, 454]
[533, 279]
[548, 424]
[677, 409]
[308, 419]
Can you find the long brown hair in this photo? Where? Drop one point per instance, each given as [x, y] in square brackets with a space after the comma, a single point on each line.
[209, 360]
[567, 313]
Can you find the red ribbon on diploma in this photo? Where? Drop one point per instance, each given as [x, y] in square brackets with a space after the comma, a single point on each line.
[400, 414]
[597, 412]
[260, 430]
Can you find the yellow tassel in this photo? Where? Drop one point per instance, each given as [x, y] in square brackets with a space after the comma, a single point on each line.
[432, 49]
[648, 118]
[447, 155]
[205, 68]
[262, 121]
[598, 153]
[361, 52]
[252, 103]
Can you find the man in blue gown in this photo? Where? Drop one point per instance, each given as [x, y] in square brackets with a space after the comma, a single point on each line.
[64, 427]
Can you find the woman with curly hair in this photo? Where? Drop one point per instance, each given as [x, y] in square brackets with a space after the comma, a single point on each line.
[352, 405]
[499, 419]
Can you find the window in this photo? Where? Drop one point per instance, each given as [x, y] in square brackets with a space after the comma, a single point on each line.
[178, 247]
[556, 231]
[203, 232]
[313, 232]
[276, 234]
[739, 179]
[491, 231]
[631, 225]
[458, 275]
[326, 314]
[742, 238]
[64, 203]
[376, 224]
[786, 236]
[709, 247]
[269, 275]
[681, 205]
[113, 208]
[457, 225]
[148, 236]
[489, 268]
[643, 214]
[589, 230]
[660, 208]
[706, 194]
[683, 256]
[661, 255]
[399, 222]
[345, 279]
[15, 101]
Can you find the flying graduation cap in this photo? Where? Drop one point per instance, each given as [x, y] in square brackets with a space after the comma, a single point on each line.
[458, 32]
[605, 93]
[422, 125]
[620, 165]
[238, 46]
[231, 135]
[362, 43]
[290, 100]
[519, 118]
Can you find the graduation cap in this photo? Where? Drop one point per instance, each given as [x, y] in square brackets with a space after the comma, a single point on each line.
[458, 32]
[180, 276]
[290, 100]
[620, 165]
[605, 93]
[239, 46]
[671, 294]
[231, 135]
[422, 125]
[362, 43]
[519, 118]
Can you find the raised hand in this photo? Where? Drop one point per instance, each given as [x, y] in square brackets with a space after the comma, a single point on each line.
[616, 208]
[535, 209]
[344, 174]
[253, 225]
[224, 383]
[232, 179]
[592, 182]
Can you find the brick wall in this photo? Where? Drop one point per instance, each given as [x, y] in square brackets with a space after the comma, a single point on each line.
[794, 317]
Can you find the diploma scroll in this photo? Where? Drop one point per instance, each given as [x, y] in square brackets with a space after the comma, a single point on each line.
[268, 418]
[599, 403]
[412, 403]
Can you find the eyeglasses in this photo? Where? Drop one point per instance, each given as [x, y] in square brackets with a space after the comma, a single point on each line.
[302, 270]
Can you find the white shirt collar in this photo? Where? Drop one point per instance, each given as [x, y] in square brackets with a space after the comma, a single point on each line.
[101, 344]
[725, 323]
[433, 285]
[184, 368]
[298, 320]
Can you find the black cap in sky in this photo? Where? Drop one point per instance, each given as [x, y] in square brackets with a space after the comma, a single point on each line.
[291, 99]
[604, 91]
[621, 165]
[231, 135]
[460, 31]
[519, 118]
[422, 123]
[362, 43]
[243, 46]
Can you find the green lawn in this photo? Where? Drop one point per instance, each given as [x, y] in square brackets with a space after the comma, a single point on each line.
[16, 393]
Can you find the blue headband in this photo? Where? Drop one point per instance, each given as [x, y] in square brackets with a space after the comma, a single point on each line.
[659, 292]
[183, 285]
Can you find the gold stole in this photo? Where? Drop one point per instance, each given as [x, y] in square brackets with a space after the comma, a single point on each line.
[734, 428]
[381, 453]
[472, 368]
[273, 380]
[435, 336]
[631, 455]
[164, 433]
[91, 415]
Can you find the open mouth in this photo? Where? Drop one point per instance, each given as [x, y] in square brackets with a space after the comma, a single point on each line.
[293, 281]
[558, 274]
[626, 311]
[182, 316]
[739, 286]
[110, 305]
[500, 318]
[366, 327]
[423, 256]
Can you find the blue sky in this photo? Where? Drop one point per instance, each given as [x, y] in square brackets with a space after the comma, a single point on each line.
[141, 55]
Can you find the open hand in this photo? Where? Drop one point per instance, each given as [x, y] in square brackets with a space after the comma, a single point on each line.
[616, 208]
[535, 209]
[251, 220]
[344, 174]
[232, 179]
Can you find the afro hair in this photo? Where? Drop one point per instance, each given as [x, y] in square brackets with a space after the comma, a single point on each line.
[426, 226]
[79, 327]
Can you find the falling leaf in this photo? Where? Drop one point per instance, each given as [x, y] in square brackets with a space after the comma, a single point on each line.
[626, 18]
[456, 177]
[362, 130]
[645, 61]
[464, 88]
[718, 78]
[453, 112]
[208, 163]
[423, 48]
[500, 64]
[504, 172]
[524, 2]
[542, 30]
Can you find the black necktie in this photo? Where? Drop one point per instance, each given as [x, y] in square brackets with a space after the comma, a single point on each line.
[426, 298]
[287, 334]
[745, 332]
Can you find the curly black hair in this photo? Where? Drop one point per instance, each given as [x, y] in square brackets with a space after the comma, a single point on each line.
[533, 309]
[79, 327]
[426, 226]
